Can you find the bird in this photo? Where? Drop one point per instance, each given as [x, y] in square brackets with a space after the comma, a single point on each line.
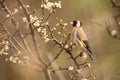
[80, 38]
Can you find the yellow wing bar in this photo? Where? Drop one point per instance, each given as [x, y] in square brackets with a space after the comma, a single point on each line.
[83, 43]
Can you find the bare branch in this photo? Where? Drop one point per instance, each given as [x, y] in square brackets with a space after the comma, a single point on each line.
[115, 3]
[63, 47]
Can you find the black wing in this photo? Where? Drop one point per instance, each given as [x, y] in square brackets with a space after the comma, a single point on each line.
[87, 46]
[85, 43]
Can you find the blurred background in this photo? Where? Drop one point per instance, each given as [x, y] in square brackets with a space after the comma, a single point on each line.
[93, 14]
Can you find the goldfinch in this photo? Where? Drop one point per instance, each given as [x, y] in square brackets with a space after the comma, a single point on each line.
[80, 37]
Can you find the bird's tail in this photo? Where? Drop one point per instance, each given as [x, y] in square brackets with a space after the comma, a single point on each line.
[91, 56]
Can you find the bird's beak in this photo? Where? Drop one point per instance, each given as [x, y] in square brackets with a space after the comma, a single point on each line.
[71, 23]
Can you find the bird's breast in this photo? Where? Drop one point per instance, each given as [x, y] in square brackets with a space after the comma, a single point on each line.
[82, 34]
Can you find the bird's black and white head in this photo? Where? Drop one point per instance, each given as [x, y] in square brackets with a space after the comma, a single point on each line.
[76, 23]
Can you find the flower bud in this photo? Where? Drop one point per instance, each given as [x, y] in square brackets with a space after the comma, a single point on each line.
[113, 32]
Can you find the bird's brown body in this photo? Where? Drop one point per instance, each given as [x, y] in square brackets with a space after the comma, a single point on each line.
[81, 40]
[79, 36]
[80, 32]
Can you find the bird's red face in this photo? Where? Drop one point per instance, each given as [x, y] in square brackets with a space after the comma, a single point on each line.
[76, 23]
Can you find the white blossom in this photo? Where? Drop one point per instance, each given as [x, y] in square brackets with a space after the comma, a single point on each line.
[15, 11]
[7, 42]
[44, 29]
[65, 24]
[45, 23]
[8, 15]
[6, 59]
[51, 6]
[20, 7]
[47, 40]
[33, 18]
[24, 19]
[14, 61]
[84, 56]
[26, 57]
[59, 32]
[119, 22]
[45, 1]
[113, 32]
[36, 23]
[79, 71]
[64, 35]
[43, 6]
[16, 58]
[88, 64]
[27, 6]
[10, 58]
[54, 28]
[62, 24]
[45, 37]
[58, 24]
[19, 52]
[70, 68]
[58, 4]
[39, 29]
[1, 51]
[5, 53]
[84, 79]
[6, 48]
[66, 46]
[19, 61]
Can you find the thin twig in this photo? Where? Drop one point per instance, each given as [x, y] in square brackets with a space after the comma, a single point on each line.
[48, 16]
[61, 49]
